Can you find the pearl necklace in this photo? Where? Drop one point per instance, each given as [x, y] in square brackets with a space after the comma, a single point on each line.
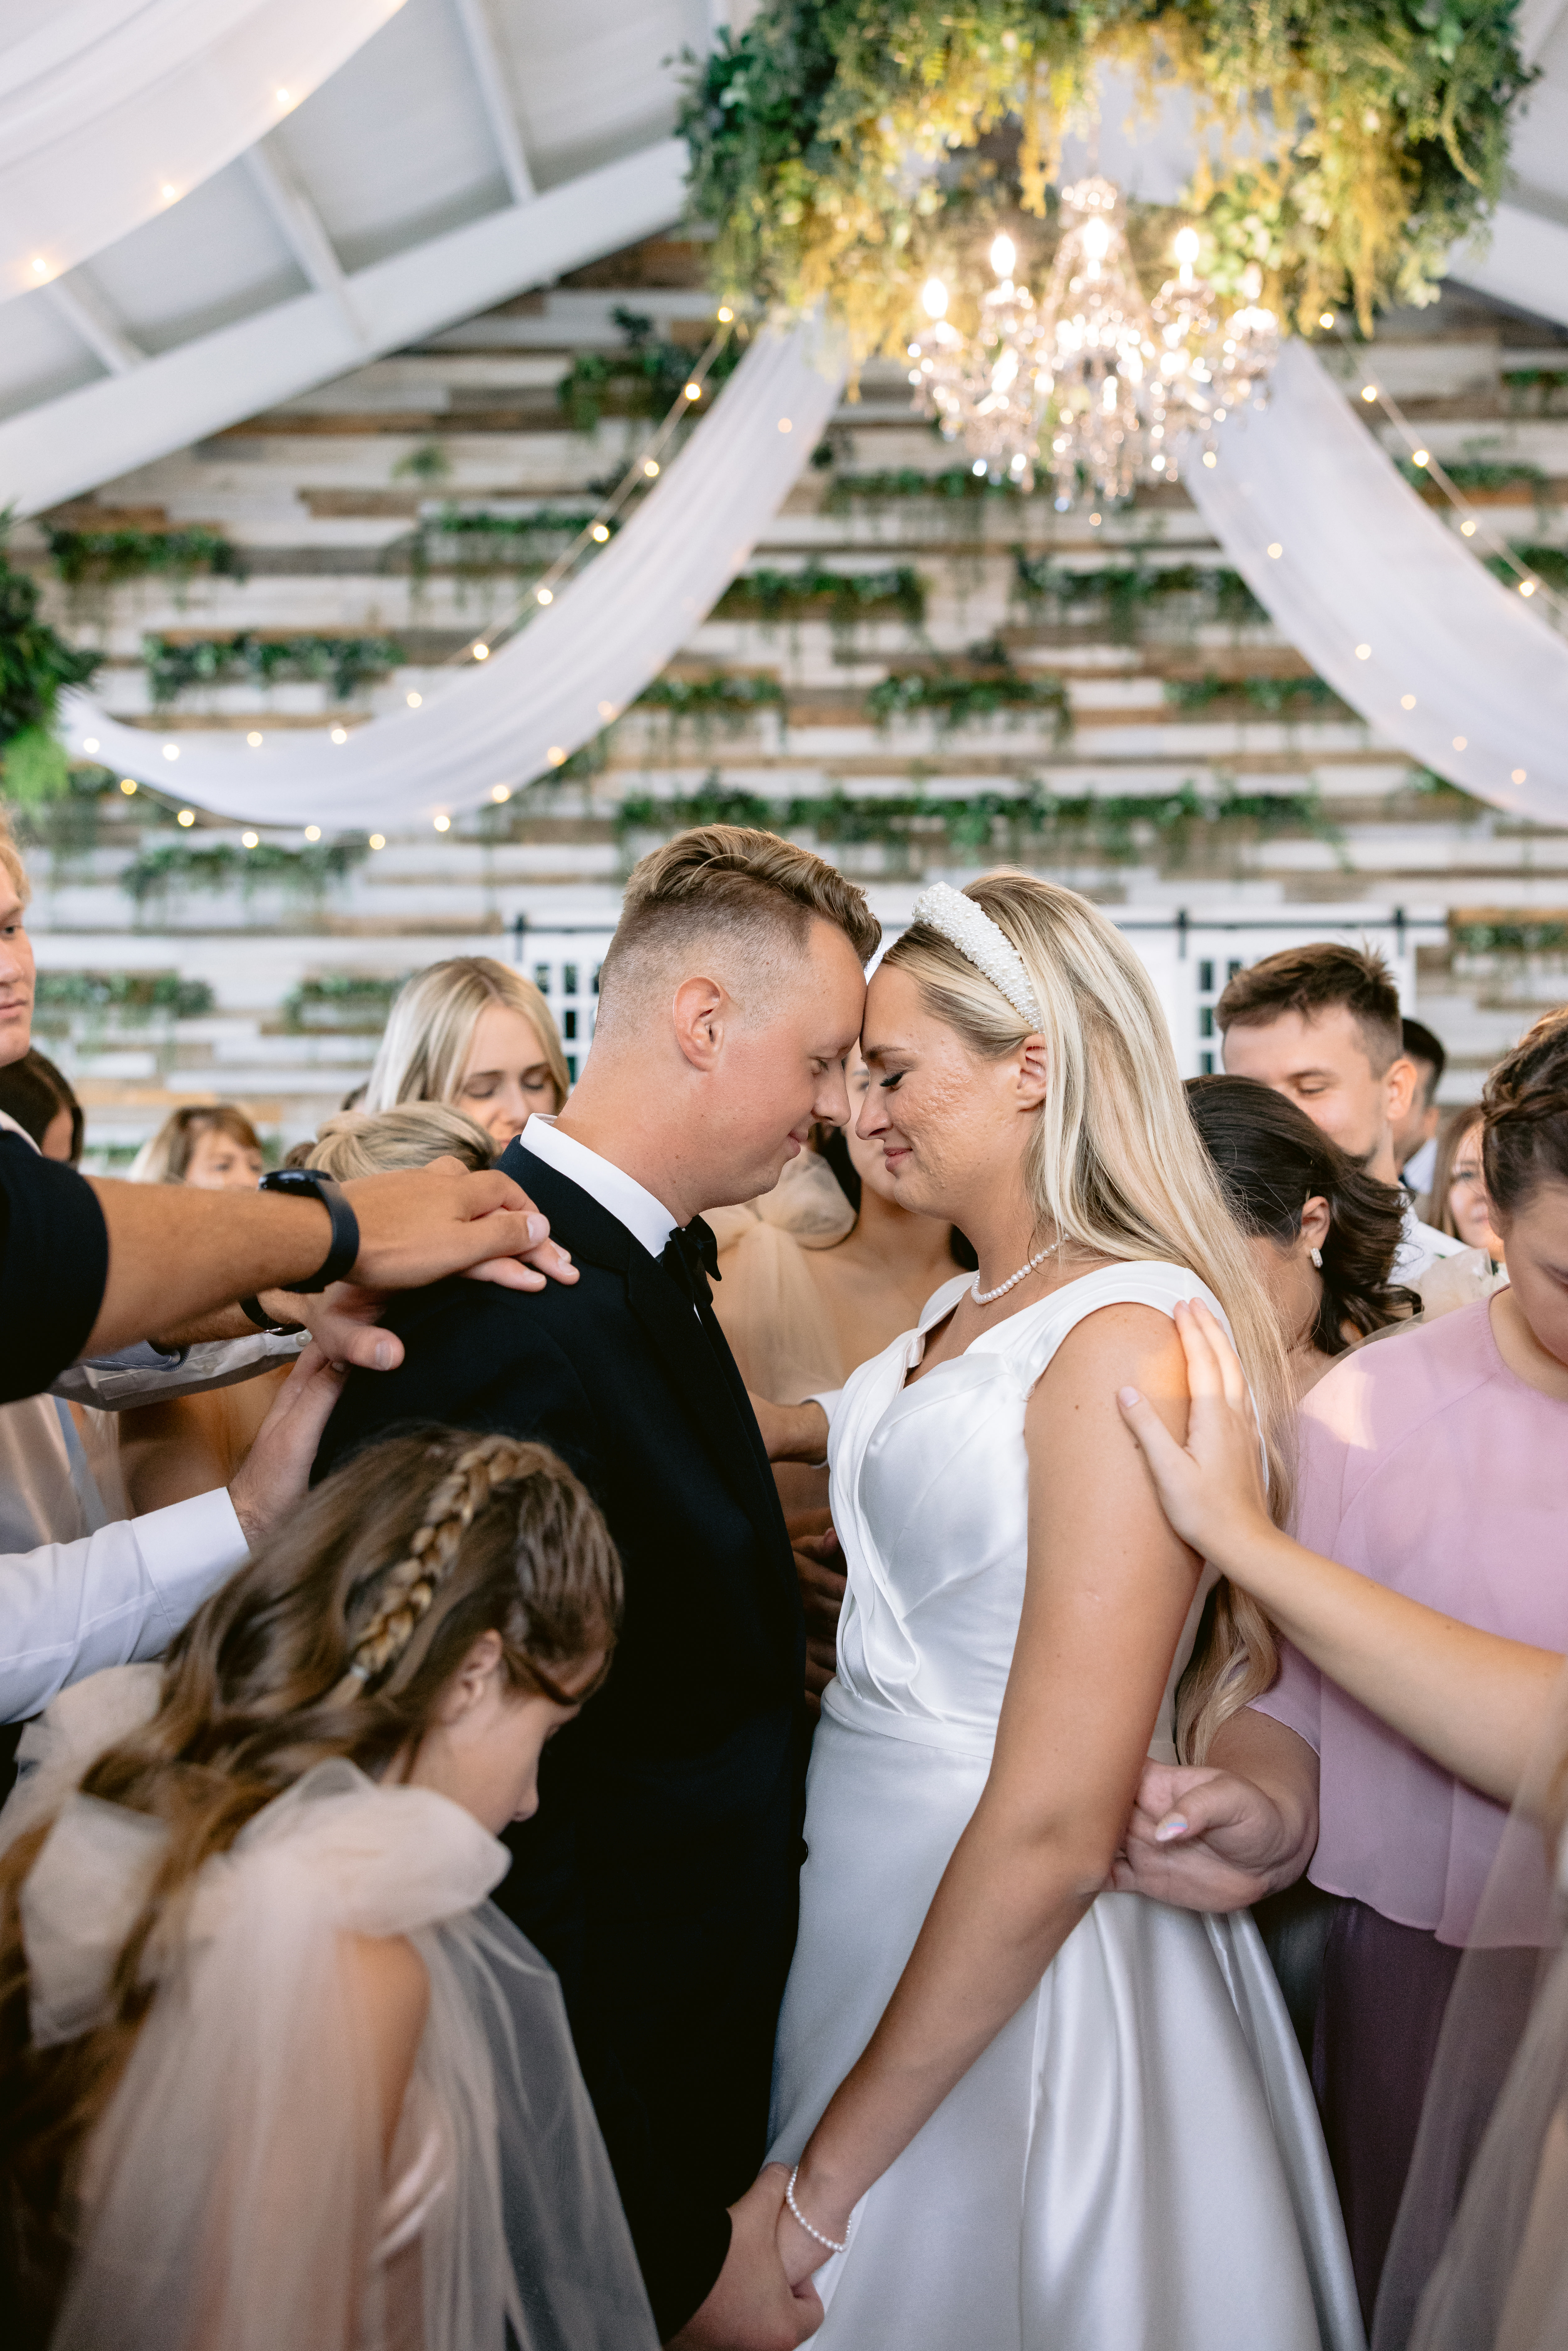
[985, 1297]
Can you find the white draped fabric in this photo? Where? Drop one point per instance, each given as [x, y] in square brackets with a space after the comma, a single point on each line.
[577, 664]
[113, 109]
[1364, 562]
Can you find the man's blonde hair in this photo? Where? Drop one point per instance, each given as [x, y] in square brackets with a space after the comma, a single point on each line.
[424, 1051]
[11, 859]
[753, 890]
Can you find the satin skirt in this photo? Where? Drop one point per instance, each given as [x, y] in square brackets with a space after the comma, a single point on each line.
[1135, 2163]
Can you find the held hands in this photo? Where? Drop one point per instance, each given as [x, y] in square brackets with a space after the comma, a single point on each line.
[1211, 1487]
[754, 2305]
[1205, 1840]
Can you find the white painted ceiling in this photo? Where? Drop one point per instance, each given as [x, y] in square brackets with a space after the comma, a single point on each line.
[466, 150]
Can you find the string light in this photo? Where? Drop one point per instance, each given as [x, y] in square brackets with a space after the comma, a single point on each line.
[1461, 742]
[186, 817]
[785, 425]
[1326, 320]
[1364, 653]
[250, 839]
[499, 792]
[413, 700]
[607, 711]
[544, 596]
[171, 750]
[651, 468]
[724, 314]
[1527, 587]
[693, 391]
[1467, 529]
[40, 268]
[599, 533]
[1519, 775]
[1422, 457]
[481, 653]
[1406, 702]
[442, 824]
[1369, 392]
[1276, 550]
[254, 739]
[282, 96]
[556, 756]
[312, 832]
[89, 743]
[128, 785]
[169, 192]
[340, 733]
[378, 841]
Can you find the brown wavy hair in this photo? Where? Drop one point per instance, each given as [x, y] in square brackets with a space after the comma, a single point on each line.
[339, 1638]
[1525, 1109]
[1272, 1160]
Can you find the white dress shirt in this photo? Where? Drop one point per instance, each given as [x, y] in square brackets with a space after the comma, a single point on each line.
[1418, 1171]
[1421, 1248]
[646, 1219]
[66, 1609]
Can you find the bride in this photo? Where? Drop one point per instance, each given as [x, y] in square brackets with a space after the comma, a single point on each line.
[1023, 2112]
[274, 2076]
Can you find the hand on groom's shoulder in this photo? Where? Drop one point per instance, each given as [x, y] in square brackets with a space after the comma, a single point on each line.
[476, 1355]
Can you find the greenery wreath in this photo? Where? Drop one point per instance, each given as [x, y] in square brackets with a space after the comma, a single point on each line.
[843, 149]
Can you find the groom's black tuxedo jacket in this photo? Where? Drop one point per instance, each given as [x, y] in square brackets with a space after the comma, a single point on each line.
[660, 1876]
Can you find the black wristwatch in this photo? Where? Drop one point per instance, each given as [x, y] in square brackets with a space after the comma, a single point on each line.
[344, 1255]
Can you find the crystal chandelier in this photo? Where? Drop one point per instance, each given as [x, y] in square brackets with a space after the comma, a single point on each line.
[1112, 379]
[992, 391]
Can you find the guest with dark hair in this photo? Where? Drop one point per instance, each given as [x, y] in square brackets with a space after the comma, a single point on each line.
[1416, 1136]
[38, 1098]
[1324, 1232]
[1435, 1464]
[1321, 1024]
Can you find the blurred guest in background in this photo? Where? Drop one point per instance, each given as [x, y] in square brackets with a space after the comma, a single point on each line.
[1415, 1135]
[40, 1099]
[1324, 1232]
[171, 1450]
[1459, 1203]
[474, 1033]
[212, 1146]
[370, 1142]
[1321, 1024]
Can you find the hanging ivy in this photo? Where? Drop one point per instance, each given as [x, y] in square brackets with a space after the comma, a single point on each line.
[175, 667]
[953, 700]
[341, 1000]
[955, 482]
[835, 145]
[1129, 591]
[158, 872]
[1118, 828]
[108, 558]
[644, 379]
[133, 996]
[35, 665]
[697, 702]
[841, 596]
[1276, 696]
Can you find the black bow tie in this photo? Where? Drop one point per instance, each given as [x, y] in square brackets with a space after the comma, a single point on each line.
[690, 1257]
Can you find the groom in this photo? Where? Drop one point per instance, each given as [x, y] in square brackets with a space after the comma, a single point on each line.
[659, 1877]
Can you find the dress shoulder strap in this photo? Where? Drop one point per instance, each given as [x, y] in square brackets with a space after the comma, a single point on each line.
[1031, 1338]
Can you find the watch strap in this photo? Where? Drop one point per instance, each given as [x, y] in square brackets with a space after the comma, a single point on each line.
[256, 1312]
[343, 1253]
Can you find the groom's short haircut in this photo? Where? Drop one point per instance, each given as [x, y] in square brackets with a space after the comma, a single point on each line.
[725, 885]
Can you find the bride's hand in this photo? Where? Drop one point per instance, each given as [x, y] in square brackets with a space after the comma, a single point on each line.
[800, 2251]
[1211, 1487]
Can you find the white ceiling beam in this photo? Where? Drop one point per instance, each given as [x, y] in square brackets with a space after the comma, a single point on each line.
[301, 227]
[1524, 262]
[86, 438]
[1536, 23]
[482, 55]
[87, 314]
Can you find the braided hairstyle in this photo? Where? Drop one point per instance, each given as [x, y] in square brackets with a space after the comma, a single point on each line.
[340, 1637]
[1525, 1111]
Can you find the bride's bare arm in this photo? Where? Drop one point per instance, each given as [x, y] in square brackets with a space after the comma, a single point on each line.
[1109, 1587]
[1476, 1703]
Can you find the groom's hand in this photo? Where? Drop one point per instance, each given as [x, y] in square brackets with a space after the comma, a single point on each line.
[752, 2307]
[820, 1572]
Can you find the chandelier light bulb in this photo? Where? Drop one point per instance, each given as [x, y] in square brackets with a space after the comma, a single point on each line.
[1004, 254]
[934, 299]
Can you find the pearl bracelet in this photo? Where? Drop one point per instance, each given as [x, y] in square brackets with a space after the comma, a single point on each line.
[832, 2243]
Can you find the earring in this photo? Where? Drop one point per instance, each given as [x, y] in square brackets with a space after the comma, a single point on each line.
[1317, 1257]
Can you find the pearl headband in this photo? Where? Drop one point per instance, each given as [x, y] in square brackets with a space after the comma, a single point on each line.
[982, 942]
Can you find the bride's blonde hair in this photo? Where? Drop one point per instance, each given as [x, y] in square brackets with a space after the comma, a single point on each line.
[1115, 1167]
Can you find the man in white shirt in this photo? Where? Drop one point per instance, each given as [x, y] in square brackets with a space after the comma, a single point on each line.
[1320, 1025]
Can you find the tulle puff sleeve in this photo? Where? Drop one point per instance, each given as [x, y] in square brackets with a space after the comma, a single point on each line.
[233, 2198]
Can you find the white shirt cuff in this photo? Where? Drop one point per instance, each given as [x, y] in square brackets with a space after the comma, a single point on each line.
[188, 1549]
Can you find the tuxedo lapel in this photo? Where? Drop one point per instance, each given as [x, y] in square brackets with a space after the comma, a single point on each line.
[703, 1379]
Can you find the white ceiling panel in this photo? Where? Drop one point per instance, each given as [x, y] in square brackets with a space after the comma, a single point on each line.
[40, 358]
[590, 80]
[200, 265]
[396, 147]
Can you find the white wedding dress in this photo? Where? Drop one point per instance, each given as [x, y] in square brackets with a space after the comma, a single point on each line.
[1135, 2163]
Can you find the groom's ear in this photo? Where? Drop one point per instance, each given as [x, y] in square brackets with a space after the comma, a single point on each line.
[700, 1013]
[1033, 1072]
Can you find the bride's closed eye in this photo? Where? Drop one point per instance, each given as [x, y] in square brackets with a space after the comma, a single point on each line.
[887, 1085]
